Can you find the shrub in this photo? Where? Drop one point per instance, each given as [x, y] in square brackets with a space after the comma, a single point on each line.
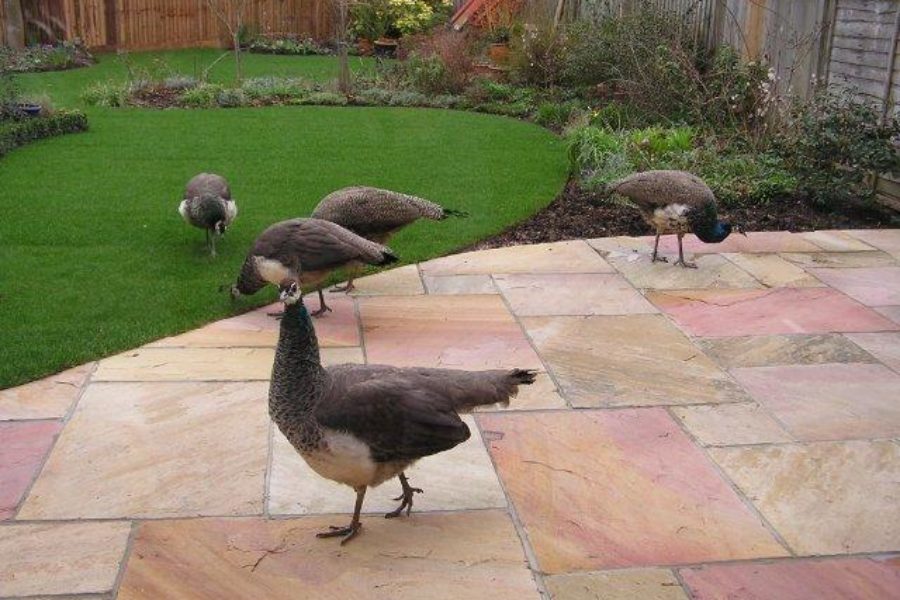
[324, 98]
[276, 88]
[537, 56]
[231, 98]
[18, 133]
[556, 115]
[300, 46]
[106, 93]
[180, 82]
[441, 63]
[203, 96]
[46, 57]
[834, 142]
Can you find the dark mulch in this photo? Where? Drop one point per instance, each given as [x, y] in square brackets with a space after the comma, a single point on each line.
[155, 96]
[579, 213]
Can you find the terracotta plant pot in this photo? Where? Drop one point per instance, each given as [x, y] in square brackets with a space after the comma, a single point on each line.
[386, 47]
[365, 47]
[499, 53]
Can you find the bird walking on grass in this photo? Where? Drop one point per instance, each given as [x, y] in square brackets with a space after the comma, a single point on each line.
[306, 251]
[361, 425]
[208, 205]
[674, 202]
[376, 215]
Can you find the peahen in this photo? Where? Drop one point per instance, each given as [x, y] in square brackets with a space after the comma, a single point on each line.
[361, 425]
[305, 250]
[376, 214]
[674, 202]
[208, 205]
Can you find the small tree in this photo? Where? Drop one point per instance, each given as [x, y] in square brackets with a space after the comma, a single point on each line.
[341, 10]
[15, 24]
[230, 14]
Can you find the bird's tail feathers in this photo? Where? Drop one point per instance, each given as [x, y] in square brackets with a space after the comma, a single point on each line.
[388, 257]
[452, 212]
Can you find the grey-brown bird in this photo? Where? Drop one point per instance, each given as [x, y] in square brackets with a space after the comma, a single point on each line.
[361, 425]
[208, 205]
[674, 202]
[376, 215]
[306, 251]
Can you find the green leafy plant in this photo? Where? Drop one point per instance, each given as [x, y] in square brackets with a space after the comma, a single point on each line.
[835, 142]
[203, 96]
[298, 46]
[106, 93]
[19, 133]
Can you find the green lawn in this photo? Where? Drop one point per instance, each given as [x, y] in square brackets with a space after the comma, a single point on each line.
[95, 259]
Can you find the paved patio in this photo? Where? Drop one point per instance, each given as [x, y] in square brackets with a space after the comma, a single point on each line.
[730, 432]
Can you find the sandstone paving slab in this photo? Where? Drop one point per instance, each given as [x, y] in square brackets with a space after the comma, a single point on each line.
[720, 313]
[767, 350]
[457, 332]
[157, 450]
[61, 558]
[797, 579]
[823, 497]
[841, 260]
[830, 401]
[461, 478]
[541, 395]
[623, 488]
[559, 257]
[571, 294]
[203, 364]
[257, 328]
[713, 271]
[887, 240]
[47, 398]
[761, 242]
[451, 556]
[883, 346]
[891, 312]
[401, 281]
[23, 447]
[874, 286]
[731, 424]
[628, 360]
[625, 584]
[772, 271]
[622, 246]
[461, 284]
[836, 241]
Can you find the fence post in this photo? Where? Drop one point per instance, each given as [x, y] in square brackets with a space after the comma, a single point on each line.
[887, 105]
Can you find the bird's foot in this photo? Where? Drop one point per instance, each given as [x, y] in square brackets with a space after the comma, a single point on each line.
[407, 498]
[346, 288]
[685, 264]
[322, 310]
[348, 533]
[659, 259]
[276, 315]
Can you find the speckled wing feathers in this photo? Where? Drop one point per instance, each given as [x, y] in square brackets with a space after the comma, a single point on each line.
[656, 189]
[373, 212]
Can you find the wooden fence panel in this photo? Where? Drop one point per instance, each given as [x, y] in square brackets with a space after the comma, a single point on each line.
[156, 24]
[862, 46]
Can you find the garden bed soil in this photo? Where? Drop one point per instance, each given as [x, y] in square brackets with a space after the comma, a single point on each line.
[156, 96]
[578, 213]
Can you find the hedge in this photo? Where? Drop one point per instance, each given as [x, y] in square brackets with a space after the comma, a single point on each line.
[19, 133]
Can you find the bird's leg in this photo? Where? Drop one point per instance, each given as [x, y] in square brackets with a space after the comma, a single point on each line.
[406, 497]
[323, 308]
[681, 260]
[212, 241]
[349, 532]
[352, 272]
[656, 250]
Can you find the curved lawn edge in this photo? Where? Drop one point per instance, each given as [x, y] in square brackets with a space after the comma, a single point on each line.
[134, 272]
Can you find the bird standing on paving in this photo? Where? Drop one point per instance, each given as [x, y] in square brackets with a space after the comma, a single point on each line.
[674, 202]
[376, 215]
[305, 250]
[208, 205]
[361, 425]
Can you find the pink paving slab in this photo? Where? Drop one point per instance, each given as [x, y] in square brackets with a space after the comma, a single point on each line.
[715, 313]
[22, 449]
[624, 488]
[874, 286]
[830, 579]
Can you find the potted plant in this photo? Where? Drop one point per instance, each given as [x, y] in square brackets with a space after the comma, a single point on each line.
[498, 50]
[29, 108]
